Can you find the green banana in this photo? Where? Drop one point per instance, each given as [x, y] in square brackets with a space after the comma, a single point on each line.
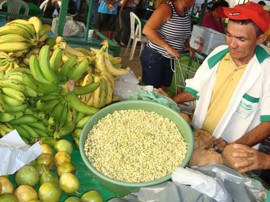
[77, 132]
[36, 69]
[23, 24]
[64, 115]
[58, 109]
[51, 96]
[30, 92]
[67, 119]
[48, 140]
[9, 83]
[83, 90]
[16, 94]
[65, 130]
[46, 105]
[11, 38]
[23, 133]
[6, 117]
[76, 103]
[13, 29]
[30, 131]
[79, 71]
[25, 119]
[79, 116]
[40, 87]
[56, 59]
[14, 46]
[14, 76]
[18, 108]
[10, 100]
[82, 122]
[44, 64]
[20, 70]
[40, 133]
[37, 125]
[5, 128]
[67, 67]
[29, 110]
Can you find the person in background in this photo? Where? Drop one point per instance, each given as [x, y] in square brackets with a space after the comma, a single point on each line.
[212, 20]
[127, 6]
[94, 17]
[53, 7]
[262, 3]
[168, 31]
[107, 15]
[231, 87]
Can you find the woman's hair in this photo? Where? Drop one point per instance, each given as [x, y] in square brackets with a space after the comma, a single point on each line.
[245, 22]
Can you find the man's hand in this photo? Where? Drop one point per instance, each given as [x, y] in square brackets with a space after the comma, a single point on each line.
[249, 159]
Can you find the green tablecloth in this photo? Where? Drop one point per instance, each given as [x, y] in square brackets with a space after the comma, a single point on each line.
[86, 179]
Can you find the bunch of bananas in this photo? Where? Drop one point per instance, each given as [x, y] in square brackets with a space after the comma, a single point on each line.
[48, 91]
[17, 38]
[106, 70]
[42, 101]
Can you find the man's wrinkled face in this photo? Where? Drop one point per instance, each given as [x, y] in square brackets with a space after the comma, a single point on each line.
[242, 41]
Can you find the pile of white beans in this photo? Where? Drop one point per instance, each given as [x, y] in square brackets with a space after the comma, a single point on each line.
[135, 146]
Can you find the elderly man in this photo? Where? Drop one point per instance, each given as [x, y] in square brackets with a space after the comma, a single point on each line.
[231, 87]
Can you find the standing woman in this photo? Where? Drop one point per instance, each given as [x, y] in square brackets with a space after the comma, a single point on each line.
[168, 31]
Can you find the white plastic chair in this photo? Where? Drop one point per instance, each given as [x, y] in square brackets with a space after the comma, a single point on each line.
[135, 35]
[14, 6]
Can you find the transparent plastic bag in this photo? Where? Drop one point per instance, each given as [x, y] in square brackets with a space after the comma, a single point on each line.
[71, 28]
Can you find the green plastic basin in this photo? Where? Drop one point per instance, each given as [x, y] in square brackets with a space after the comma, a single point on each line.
[120, 188]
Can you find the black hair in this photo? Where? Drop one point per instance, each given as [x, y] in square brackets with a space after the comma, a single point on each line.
[219, 3]
[262, 3]
[245, 22]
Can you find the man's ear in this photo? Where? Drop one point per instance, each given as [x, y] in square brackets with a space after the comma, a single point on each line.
[261, 39]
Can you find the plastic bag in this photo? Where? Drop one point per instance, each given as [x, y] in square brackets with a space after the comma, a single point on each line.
[127, 84]
[71, 28]
[211, 183]
[154, 97]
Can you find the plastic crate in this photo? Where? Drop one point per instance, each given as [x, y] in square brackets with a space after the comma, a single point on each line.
[204, 40]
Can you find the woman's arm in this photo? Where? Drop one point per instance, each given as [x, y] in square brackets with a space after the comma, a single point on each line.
[160, 16]
[180, 97]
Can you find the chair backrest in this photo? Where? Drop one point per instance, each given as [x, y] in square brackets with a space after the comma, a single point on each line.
[14, 6]
[135, 26]
[2, 2]
[44, 5]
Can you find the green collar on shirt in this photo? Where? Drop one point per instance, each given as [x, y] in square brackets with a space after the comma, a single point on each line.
[261, 55]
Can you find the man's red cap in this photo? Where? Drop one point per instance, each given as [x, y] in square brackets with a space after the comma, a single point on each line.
[248, 11]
